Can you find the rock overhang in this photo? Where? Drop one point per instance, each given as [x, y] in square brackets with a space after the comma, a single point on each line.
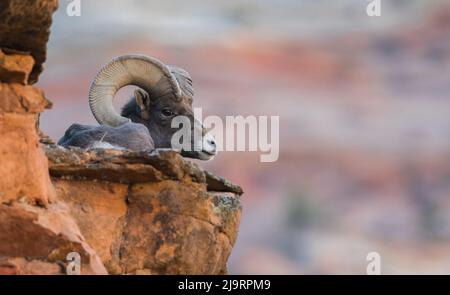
[131, 167]
[148, 213]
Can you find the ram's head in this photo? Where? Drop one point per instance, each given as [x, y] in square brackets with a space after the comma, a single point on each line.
[165, 93]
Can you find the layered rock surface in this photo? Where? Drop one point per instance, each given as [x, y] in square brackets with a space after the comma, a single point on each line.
[148, 213]
[25, 27]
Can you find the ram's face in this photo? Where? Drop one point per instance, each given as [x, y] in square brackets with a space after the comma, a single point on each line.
[166, 117]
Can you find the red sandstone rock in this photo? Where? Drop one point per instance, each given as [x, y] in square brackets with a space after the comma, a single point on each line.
[42, 235]
[15, 67]
[16, 98]
[25, 26]
[24, 172]
[165, 221]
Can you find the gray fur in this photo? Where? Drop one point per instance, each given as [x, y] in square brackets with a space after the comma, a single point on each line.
[131, 136]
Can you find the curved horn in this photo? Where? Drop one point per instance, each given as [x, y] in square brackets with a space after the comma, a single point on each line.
[145, 72]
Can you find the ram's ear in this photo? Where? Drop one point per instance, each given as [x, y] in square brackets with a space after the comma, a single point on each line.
[143, 101]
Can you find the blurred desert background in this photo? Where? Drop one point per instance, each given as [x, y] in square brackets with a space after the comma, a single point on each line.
[364, 106]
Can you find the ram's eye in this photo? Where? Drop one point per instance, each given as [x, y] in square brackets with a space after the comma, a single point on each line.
[167, 113]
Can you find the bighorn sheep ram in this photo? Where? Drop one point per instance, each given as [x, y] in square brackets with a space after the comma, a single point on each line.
[145, 122]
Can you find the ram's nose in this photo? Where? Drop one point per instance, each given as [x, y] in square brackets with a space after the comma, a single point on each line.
[209, 144]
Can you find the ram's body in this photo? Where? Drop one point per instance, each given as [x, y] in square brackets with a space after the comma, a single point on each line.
[130, 136]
